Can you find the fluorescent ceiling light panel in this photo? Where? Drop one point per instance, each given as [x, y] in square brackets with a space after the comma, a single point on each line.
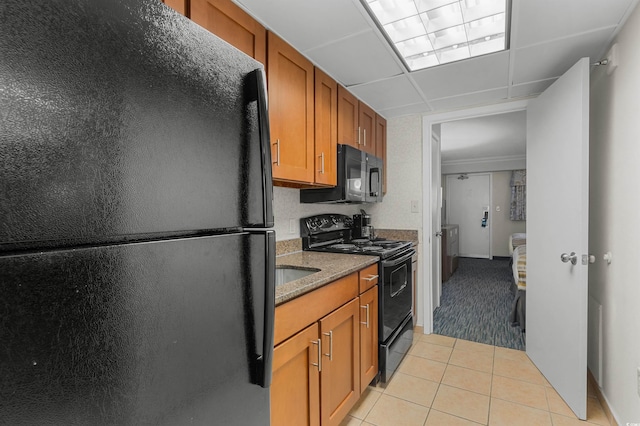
[427, 33]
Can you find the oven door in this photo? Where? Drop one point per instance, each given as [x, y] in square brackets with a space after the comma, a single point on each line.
[395, 292]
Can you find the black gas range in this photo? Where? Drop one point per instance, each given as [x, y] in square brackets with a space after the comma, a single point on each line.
[333, 233]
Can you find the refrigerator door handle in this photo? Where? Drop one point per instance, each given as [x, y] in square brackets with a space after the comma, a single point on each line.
[264, 360]
[265, 145]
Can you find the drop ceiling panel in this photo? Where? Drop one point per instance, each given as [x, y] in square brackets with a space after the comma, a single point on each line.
[418, 108]
[390, 93]
[308, 24]
[473, 75]
[545, 20]
[527, 89]
[553, 59]
[473, 99]
[358, 59]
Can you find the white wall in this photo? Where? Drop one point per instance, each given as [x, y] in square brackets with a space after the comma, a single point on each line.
[614, 225]
[404, 185]
[287, 207]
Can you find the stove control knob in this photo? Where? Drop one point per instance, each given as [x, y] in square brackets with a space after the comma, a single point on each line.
[334, 220]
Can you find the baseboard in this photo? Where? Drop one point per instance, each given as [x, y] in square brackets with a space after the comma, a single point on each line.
[502, 257]
[601, 398]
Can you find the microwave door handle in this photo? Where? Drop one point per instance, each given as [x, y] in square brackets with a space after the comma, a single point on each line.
[374, 171]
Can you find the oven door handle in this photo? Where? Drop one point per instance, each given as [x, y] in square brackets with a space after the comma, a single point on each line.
[398, 260]
[399, 290]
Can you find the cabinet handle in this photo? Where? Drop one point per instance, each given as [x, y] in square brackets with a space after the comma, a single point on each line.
[321, 163]
[358, 135]
[277, 144]
[330, 354]
[366, 307]
[365, 136]
[371, 277]
[319, 364]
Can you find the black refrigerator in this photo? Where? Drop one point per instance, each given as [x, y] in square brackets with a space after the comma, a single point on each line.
[137, 266]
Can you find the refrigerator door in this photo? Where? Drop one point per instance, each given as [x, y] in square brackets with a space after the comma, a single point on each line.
[164, 333]
[123, 119]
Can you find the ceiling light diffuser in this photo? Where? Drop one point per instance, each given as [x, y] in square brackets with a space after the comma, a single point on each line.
[426, 33]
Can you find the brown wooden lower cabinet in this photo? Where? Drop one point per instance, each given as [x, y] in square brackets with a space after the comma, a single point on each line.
[320, 372]
[340, 375]
[295, 387]
[368, 337]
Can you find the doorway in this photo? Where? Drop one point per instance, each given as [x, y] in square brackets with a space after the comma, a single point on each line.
[433, 159]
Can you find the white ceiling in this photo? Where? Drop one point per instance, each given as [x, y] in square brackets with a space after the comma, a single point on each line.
[547, 37]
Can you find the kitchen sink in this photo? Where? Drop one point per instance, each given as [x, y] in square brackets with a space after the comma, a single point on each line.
[285, 274]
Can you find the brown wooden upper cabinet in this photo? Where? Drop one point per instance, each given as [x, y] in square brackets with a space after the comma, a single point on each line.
[179, 6]
[381, 147]
[326, 129]
[232, 24]
[356, 122]
[290, 81]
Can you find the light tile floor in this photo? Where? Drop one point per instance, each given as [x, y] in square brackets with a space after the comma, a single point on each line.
[445, 381]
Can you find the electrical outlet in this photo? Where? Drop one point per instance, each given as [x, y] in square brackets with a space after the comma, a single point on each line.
[292, 226]
[638, 381]
[415, 206]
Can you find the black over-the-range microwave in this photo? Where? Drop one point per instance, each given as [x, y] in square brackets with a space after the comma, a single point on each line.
[359, 180]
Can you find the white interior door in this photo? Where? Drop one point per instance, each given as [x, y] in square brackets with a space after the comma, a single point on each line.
[557, 223]
[436, 225]
[468, 198]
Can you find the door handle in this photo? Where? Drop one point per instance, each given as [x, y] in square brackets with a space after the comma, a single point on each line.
[365, 307]
[573, 258]
[330, 354]
[319, 363]
[321, 163]
[277, 144]
[439, 234]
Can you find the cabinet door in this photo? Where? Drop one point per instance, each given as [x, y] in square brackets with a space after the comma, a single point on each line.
[367, 126]
[179, 6]
[295, 387]
[340, 376]
[368, 337]
[326, 137]
[290, 81]
[347, 118]
[381, 148]
[226, 20]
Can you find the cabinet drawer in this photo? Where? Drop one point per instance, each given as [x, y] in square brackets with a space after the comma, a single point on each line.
[298, 313]
[368, 277]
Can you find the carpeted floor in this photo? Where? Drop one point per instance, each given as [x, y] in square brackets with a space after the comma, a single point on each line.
[476, 302]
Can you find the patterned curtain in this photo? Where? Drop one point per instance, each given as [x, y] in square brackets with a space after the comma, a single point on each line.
[518, 195]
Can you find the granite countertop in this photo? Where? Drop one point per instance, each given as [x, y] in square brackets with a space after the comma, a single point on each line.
[332, 266]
